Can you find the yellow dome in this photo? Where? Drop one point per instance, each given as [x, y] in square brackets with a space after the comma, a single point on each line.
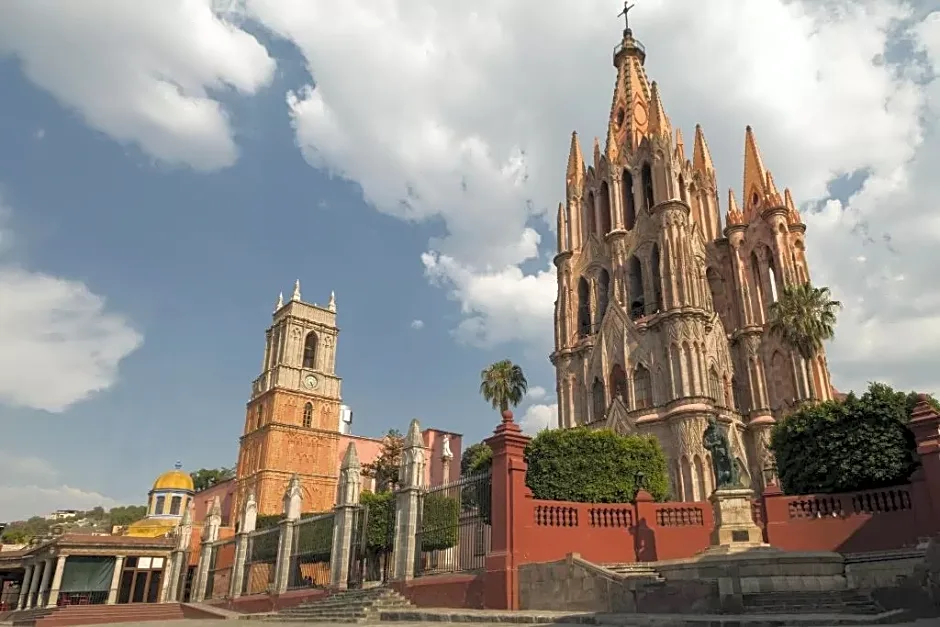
[175, 479]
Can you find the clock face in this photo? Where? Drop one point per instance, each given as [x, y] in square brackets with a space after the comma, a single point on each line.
[311, 381]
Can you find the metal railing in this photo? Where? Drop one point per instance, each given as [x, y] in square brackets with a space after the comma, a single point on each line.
[311, 551]
[261, 560]
[221, 563]
[454, 526]
[373, 539]
[94, 597]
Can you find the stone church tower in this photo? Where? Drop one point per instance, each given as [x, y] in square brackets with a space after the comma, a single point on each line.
[661, 316]
[292, 421]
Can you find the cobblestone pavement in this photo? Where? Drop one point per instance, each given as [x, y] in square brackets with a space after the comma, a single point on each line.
[929, 622]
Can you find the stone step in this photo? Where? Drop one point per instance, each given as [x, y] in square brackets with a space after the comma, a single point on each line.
[350, 606]
[391, 602]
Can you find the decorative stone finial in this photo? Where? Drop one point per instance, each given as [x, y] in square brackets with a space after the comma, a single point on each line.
[332, 305]
[293, 498]
[413, 438]
[350, 477]
[507, 416]
[446, 453]
[250, 516]
[296, 295]
[280, 301]
[411, 470]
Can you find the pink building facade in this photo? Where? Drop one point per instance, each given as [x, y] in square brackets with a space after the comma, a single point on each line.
[440, 468]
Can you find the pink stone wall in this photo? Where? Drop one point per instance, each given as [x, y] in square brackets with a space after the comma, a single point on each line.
[368, 449]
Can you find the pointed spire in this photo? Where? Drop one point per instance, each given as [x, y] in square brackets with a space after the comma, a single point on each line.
[680, 146]
[629, 111]
[280, 301]
[332, 304]
[755, 175]
[296, 295]
[351, 458]
[413, 438]
[793, 214]
[773, 195]
[575, 175]
[701, 157]
[562, 229]
[188, 513]
[659, 121]
[597, 153]
[734, 217]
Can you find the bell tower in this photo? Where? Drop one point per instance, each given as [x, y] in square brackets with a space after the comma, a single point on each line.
[292, 417]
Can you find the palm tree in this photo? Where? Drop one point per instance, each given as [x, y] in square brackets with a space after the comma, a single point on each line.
[804, 317]
[503, 384]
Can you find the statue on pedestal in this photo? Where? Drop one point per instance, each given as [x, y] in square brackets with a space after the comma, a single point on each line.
[715, 441]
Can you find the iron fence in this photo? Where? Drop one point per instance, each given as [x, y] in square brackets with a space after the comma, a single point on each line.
[373, 539]
[311, 551]
[454, 526]
[261, 560]
[221, 562]
[92, 597]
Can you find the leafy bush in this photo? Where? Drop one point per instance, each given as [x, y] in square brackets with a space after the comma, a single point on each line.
[440, 517]
[314, 541]
[381, 521]
[594, 466]
[475, 459]
[843, 446]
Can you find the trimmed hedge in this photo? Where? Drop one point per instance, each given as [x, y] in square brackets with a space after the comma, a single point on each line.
[381, 522]
[440, 519]
[314, 542]
[594, 466]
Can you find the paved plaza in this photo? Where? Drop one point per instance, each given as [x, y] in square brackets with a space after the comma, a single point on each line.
[928, 622]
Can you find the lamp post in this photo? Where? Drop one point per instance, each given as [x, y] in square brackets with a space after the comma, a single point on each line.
[639, 480]
[770, 474]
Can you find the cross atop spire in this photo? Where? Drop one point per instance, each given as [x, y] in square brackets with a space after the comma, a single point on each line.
[625, 14]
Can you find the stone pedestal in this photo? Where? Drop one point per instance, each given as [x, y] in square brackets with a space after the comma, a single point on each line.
[735, 529]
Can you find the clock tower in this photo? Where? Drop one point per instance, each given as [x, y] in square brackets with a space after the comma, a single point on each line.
[292, 418]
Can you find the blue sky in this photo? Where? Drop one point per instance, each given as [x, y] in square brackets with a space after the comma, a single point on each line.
[164, 173]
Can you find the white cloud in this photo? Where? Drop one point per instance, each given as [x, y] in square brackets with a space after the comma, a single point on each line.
[417, 325]
[148, 73]
[27, 468]
[22, 501]
[60, 343]
[536, 393]
[465, 116]
[538, 418]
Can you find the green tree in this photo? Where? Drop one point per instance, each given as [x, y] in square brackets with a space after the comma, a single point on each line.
[595, 466]
[475, 459]
[124, 515]
[385, 467]
[804, 317]
[503, 385]
[205, 478]
[859, 443]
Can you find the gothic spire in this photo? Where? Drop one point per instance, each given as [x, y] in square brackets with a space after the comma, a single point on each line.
[630, 109]
[296, 295]
[659, 121]
[734, 214]
[575, 175]
[280, 301]
[680, 146]
[701, 157]
[332, 304]
[755, 176]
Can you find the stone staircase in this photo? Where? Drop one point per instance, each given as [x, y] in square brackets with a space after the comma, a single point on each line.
[829, 602]
[350, 606]
[635, 570]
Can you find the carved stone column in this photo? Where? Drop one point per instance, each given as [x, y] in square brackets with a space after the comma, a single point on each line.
[210, 534]
[408, 502]
[345, 518]
[179, 557]
[116, 580]
[29, 572]
[242, 540]
[292, 503]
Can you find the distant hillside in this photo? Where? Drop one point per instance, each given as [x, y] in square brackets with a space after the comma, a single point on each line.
[96, 519]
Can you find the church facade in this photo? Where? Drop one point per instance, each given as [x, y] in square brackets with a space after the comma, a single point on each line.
[661, 318]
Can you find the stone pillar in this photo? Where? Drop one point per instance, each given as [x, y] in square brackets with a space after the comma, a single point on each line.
[31, 600]
[407, 504]
[449, 556]
[116, 579]
[44, 596]
[500, 585]
[242, 541]
[179, 557]
[210, 534]
[285, 544]
[24, 589]
[344, 519]
[56, 581]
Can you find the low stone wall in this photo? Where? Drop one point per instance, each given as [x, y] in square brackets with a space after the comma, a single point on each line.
[575, 585]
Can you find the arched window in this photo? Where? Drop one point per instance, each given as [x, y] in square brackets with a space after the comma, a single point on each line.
[176, 504]
[590, 221]
[605, 209]
[259, 414]
[629, 203]
[758, 287]
[648, 186]
[682, 193]
[656, 271]
[310, 351]
[714, 386]
[308, 415]
[771, 276]
[642, 387]
[599, 402]
[603, 288]
[637, 296]
[158, 505]
[618, 384]
[584, 308]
